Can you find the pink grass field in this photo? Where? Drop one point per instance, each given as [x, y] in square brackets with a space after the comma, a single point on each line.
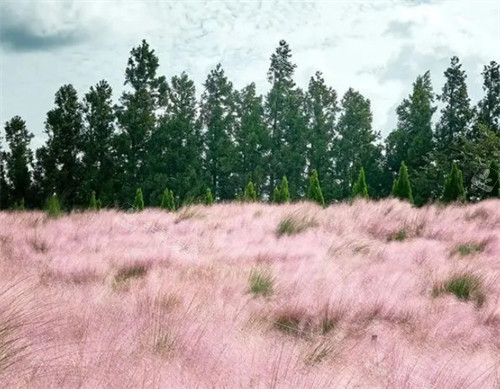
[163, 300]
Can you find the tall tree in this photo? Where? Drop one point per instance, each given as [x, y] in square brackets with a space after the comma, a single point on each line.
[176, 147]
[218, 120]
[489, 106]
[58, 166]
[18, 159]
[99, 154]
[252, 139]
[356, 147]
[321, 109]
[4, 195]
[137, 118]
[277, 107]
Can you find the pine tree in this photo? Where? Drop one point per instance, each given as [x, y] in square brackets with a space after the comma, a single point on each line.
[98, 143]
[252, 138]
[356, 146]
[250, 194]
[209, 199]
[360, 189]
[489, 106]
[218, 119]
[99, 204]
[58, 167]
[19, 206]
[53, 206]
[137, 116]
[401, 188]
[93, 202]
[4, 195]
[138, 204]
[168, 200]
[314, 192]
[454, 186]
[18, 159]
[321, 110]
[495, 179]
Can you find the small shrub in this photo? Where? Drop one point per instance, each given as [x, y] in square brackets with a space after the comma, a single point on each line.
[360, 189]
[401, 187]
[261, 282]
[292, 224]
[314, 192]
[19, 206]
[138, 204]
[208, 199]
[465, 287]
[250, 194]
[93, 202]
[53, 207]
[454, 186]
[168, 200]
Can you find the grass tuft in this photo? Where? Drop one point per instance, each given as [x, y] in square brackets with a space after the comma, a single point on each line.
[469, 249]
[466, 287]
[294, 224]
[261, 282]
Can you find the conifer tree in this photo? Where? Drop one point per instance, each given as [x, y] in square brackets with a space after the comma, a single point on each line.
[401, 188]
[276, 195]
[454, 186]
[19, 205]
[250, 194]
[284, 192]
[208, 199]
[99, 204]
[168, 200]
[314, 192]
[360, 189]
[53, 206]
[93, 202]
[138, 204]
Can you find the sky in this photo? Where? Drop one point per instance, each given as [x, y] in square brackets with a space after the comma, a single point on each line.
[377, 47]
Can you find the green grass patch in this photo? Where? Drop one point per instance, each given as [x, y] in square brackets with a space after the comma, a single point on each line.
[469, 249]
[466, 287]
[261, 282]
[128, 272]
[399, 236]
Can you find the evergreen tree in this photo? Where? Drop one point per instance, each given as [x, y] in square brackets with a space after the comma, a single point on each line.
[209, 199]
[360, 189]
[53, 206]
[355, 146]
[58, 168]
[314, 192]
[177, 143]
[401, 188]
[454, 186]
[99, 204]
[321, 110]
[489, 106]
[168, 200]
[93, 202]
[250, 193]
[286, 121]
[252, 138]
[18, 159]
[138, 204]
[137, 119]
[19, 205]
[284, 191]
[218, 120]
[98, 144]
[4, 195]
[277, 195]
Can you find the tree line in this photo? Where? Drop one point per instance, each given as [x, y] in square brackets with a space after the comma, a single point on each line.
[161, 139]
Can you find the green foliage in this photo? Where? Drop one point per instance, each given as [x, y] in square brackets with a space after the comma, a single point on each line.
[360, 189]
[294, 224]
[454, 186]
[261, 282]
[401, 188]
[138, 204]
[19, 206]
[168, 200]
[314, 192]
[277, 195]
[284, 192]
[99, 204]
[53, 207]
[469, 248]
[208, 199]
[464, 286]
[93, 202]
[250, 194]
[495, 179]
[398, 236]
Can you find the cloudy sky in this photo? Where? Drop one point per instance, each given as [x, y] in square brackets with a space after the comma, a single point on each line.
[377, 47]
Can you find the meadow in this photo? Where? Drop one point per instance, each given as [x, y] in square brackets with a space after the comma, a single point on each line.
[362, 295]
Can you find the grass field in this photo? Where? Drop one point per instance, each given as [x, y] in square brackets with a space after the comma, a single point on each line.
[363, 295]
